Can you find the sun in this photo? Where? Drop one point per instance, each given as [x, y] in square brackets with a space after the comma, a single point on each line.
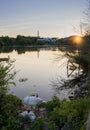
[77, 40]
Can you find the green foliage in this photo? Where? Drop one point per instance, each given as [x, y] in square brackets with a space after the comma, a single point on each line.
[24, 41]
[9, 110]
[38, 124]
[72, 114]
[83, 127]
[50, 105]
[41, 42]
[24, 119]
[18, 41]
[83, 61]
[58, 117]
[86, 45]
[60, 113]
[52, 126]
[9, 104]
[87, 39]
[78, 113]
[6, 76]
[6, 41]
[12, 124]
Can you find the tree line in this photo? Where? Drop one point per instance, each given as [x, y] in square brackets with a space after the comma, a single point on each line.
[18, 41]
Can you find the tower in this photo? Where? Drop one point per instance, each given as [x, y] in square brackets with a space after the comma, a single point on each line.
[37, 33]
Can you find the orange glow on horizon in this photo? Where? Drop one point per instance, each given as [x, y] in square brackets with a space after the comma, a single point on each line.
[78, 40]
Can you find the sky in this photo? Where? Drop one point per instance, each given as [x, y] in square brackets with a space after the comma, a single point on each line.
[52, 18]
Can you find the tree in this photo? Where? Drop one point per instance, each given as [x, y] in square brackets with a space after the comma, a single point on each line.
[6, 76]
[87, 19]
[86, 28]
[9, 104]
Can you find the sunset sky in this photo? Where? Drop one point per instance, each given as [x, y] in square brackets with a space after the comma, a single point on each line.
[52, 18]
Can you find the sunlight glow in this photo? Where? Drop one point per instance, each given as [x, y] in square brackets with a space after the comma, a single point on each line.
[77, 39]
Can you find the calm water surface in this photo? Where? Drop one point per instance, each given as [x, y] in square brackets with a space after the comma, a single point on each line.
[40, 68]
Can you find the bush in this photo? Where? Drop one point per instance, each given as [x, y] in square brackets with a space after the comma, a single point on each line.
[70, 114]
[38, 124]
[50, 105]
[52, 126]
[9, 104]
[9, 111]
[12, 124]
[83, 61]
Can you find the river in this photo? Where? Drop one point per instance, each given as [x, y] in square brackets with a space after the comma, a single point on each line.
[40, 66]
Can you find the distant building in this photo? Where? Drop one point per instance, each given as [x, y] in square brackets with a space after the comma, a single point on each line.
[47, 40]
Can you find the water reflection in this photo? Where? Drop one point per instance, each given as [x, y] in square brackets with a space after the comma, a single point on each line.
[4, 59]
[21, 50]
[76, 83]
[39, 65]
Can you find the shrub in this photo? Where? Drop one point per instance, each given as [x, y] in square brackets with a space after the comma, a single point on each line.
[38, 124]
[50, 105]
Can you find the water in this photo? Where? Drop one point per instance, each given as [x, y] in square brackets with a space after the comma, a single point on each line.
[40, 66]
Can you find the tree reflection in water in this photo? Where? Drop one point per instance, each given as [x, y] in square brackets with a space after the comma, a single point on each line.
[77, 82]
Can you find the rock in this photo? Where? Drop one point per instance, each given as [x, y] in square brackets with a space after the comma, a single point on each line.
[32, 116]
[24, 113]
